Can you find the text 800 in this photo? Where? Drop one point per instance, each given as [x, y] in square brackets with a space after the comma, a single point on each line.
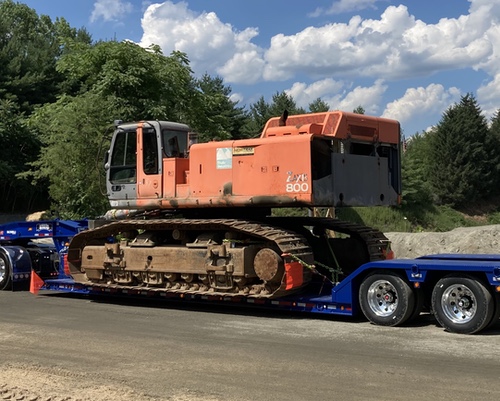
[297, 187]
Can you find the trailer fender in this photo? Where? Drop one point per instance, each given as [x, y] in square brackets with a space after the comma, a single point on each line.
[15, 266]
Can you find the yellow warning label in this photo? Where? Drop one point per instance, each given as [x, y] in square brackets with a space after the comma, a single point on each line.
[243, 150]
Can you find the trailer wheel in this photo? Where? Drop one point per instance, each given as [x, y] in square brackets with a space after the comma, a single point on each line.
[462, 304]
[5, 272]
[495, 320]
[419, 304]
[386, 299]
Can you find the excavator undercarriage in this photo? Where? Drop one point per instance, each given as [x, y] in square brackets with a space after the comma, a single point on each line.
[269, 258]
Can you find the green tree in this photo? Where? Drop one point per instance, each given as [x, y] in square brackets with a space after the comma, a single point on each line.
[494, 151]
[69, 38]
[318, 106]
[29, 48]
[460, 160]
[112, 80]
[20, 147]
[218, 116]
[71, 131]
[281, 102]
[359, 110]
[415, 163]
[261, 111]
[140, 83]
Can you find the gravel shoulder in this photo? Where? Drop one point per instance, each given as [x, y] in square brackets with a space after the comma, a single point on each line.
[31, 381]
[483, 239]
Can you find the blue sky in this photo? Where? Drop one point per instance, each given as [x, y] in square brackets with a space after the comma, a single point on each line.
[408, 60]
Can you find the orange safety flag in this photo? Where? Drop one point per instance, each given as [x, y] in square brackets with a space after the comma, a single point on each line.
[388, 253]
[66, 265]
[294, 275]
[35, 283]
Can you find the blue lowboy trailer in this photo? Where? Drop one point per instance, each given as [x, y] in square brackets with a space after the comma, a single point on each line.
[462, 291]
[38, 246]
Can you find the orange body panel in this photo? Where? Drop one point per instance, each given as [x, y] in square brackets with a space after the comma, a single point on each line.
[175, 172]
[244, 172]
[340, 125]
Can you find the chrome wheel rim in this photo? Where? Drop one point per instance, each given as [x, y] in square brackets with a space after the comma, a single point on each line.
[382, 298]
[3, 270]
[459, 304]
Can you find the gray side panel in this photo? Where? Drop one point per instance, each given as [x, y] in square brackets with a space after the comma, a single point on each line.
[122, 196]
[356, 181]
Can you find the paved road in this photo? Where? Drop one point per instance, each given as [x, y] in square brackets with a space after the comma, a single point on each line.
[64, 347]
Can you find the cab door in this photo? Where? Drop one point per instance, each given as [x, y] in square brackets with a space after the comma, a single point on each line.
[121, 168]
[149, 169]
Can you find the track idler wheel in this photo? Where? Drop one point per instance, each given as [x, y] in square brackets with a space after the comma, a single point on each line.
[269, 266]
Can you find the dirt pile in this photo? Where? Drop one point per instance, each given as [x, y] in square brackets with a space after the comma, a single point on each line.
[483, 239]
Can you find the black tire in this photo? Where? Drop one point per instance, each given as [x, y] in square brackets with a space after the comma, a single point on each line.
[462, 304]
[419, 304]
[495, 320]
[386, 299]
[5, 272]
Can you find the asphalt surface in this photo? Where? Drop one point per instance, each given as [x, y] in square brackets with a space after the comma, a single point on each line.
[56, 347]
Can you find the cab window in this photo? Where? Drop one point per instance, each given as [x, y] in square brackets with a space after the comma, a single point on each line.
[175, 143]
[123, 158]
[149, 152]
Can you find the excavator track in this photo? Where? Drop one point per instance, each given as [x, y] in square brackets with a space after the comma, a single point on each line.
[287, 241]
[375, 241]
[292, 236]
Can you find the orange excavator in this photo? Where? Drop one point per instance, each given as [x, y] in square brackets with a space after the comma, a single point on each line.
[201, 216]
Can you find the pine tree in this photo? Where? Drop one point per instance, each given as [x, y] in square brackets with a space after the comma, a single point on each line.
[460, 157]
[282, 102]
[261, 111]
[415, 171]
[318, 105]
[495, 151]
[359, 110]
[217, 115]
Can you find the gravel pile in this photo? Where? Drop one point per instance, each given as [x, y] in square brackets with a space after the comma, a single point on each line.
[483, 239]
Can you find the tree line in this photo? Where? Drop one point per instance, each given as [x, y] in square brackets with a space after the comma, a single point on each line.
[457, 162]
[60, 92]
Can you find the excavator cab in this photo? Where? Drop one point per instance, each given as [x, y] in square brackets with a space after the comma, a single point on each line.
[137, 156]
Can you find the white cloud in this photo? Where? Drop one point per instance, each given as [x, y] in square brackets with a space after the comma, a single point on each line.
[488, 95]
[110, 10]
[393, 47]
[236, 97]
[245, 67]
[345, 6]
[383, 50]
[339, 95]
[211, 45]
[304, 94]
[367, 97]
[421, 103]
